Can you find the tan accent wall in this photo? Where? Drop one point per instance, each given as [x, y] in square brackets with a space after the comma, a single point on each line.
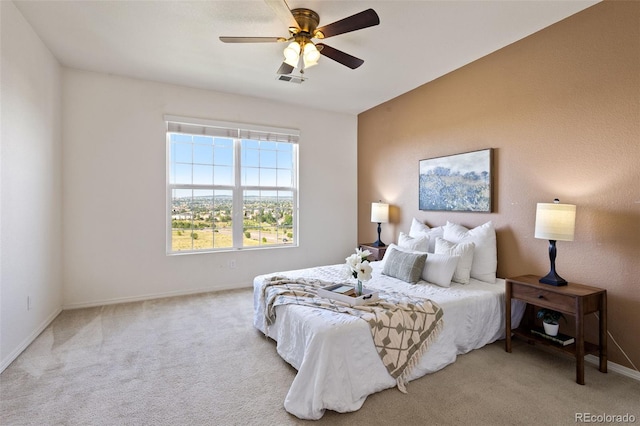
[561, 109]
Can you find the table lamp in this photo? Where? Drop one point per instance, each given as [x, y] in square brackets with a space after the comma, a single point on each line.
[379, 214]
[555, 222]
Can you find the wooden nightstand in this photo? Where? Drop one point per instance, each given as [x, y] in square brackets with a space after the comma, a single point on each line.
[573, 299]
[377, 253]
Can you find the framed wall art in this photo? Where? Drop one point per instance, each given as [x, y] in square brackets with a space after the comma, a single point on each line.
[460, 182]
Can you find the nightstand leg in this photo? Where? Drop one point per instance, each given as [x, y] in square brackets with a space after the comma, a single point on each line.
[603, 332]
[579, 341]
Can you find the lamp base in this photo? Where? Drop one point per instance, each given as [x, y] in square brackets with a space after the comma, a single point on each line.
[552, 278]
[378, 242]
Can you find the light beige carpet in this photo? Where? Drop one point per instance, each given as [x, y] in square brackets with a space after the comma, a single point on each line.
[197, 360]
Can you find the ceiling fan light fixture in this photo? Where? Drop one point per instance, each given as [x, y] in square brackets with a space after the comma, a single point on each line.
[292, 54]
[310, 55]
[302, 23]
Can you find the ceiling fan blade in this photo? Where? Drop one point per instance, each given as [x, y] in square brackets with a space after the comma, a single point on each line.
[339, 56]
[252, 39]
[285, 69]
[364, 19]
[281, 8]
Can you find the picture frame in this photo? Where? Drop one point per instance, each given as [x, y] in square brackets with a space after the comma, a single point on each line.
[459, 182]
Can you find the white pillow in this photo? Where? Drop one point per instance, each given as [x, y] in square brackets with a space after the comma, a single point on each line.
[464, 251]
[485, 254]
[436, 268]
[420, 243]
[419, 229]
[439, 269]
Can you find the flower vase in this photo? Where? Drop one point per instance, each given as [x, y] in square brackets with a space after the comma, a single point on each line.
[359, 288]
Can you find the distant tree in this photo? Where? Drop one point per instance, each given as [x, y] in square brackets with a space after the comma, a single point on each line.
[247, 234]
[194, 235]
[289, 234]
[264, 239]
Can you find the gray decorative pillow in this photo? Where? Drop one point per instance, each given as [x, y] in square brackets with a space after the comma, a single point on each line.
[404, 266]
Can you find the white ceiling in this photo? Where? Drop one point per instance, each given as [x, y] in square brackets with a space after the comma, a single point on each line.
[177, 42]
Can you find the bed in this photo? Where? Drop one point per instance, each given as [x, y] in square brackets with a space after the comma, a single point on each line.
[338, 365]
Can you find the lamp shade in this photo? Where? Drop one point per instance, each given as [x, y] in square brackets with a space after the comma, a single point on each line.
[555, 221]
[380, 212]
[310, 55]
[292, 54]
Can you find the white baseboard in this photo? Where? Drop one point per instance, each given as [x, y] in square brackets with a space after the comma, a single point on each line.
[620, 369]
[152, 296]
[26, 342]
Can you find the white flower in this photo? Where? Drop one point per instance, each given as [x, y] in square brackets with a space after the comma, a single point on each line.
[353, 260]
[357, 265]
[347, 270]
[362, 254]
[364, 271]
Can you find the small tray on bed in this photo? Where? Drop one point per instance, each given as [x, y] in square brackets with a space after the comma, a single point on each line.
[346, 293]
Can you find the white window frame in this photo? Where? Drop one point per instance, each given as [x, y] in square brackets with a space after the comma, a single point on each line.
[237, 132]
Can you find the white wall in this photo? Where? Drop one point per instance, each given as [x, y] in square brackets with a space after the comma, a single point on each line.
[30, 181]
[115, 194]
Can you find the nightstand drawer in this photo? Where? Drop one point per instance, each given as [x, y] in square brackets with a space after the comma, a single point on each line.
[544, 298]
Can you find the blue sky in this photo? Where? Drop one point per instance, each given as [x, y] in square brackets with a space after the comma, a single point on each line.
[209, 161]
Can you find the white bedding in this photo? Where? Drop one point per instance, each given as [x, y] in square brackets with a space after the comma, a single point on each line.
[337, 363]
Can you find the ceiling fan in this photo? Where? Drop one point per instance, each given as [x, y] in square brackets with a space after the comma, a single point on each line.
[302, 52]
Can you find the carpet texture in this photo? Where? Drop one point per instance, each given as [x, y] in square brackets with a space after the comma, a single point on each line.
[197, 360]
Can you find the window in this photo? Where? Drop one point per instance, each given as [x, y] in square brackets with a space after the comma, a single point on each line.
[230, 186]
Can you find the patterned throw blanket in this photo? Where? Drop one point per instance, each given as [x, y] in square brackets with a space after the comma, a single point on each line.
[402, 327]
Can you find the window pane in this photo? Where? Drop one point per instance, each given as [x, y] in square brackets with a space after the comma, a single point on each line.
[223, 142]
[222, 175]
[285, 221]
[285, 160]
[268, 145]
[251, 214]
[262, 213]
[267, 177]
[202, 175]
[250, 158]
[182, 174]
[177, 137]
[223, 156]
[287, 147]
[181, 220]
[267, 159]
[182, 153]
[203, 140]
[203, 154]
[248, 143]
[222, 219]
[250, 176]
[285, 178]
[202, 207]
